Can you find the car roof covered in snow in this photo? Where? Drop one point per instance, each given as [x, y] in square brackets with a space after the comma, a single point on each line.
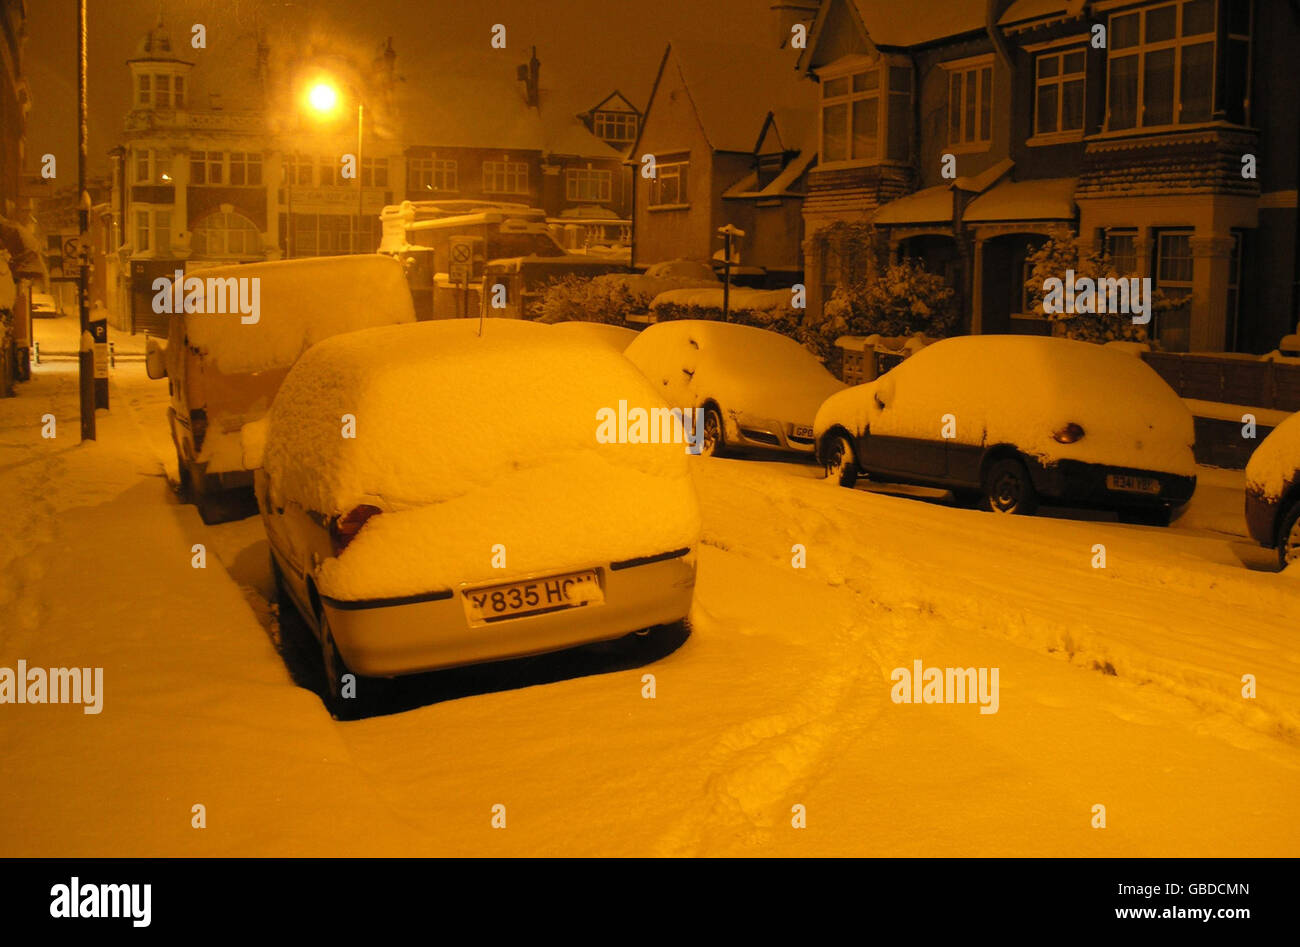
[1019, 390]
[441, 410]
[1276, 460]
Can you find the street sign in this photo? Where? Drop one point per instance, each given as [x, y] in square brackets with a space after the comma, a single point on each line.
[461, 259]
[74, 249]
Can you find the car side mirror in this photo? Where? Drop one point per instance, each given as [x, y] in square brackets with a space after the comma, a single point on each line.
[155, 358]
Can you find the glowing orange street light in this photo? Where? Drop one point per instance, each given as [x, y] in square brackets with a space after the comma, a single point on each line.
[322, 97]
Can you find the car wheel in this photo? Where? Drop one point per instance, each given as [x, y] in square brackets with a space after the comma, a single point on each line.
[340, 707]
[714, 442]
[1008, 489]
[840, 464]
[1288, 538]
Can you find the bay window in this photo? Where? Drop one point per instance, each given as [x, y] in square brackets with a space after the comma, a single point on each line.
[862, 109]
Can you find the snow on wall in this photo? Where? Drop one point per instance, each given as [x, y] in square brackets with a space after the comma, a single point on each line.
[301, 302]
[1275, 460]
[467, 442]
[1019, 390]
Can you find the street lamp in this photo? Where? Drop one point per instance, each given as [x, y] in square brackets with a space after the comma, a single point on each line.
[323, 100]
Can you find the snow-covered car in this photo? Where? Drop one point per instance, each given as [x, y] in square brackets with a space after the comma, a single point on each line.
[1273, 491]
[436, 498]
[1009, 419]
[758, 390]
[617, 338]
[44, 306]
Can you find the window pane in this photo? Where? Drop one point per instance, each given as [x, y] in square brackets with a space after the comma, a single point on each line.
[835, 130]
[1123, 92]
[1047, 103]
[835, 87]
[1048, 66]
[970, 107]
[954, 107]
[1197, 82]
[1074, 63]
[1237, 67]
[986, 104]
[1124, 31]
[1198, 17]
[1072, 105]
[866, 115]
[1239, 17]
[866, 81]
[1158, 88]
[1161, 23]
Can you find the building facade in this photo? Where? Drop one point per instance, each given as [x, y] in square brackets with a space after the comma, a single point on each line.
[1161, 131]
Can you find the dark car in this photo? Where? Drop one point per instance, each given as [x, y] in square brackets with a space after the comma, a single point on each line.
[1011, 420]
[1273, 492]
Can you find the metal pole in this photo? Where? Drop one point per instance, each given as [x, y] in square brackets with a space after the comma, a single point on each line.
[86, 357]
[726, 276]
[361, 188]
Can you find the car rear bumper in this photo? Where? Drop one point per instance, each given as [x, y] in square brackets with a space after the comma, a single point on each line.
[383, 638]
[1261, 518]
[1081, 483]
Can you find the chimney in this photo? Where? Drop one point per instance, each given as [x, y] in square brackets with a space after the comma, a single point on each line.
[527, 74]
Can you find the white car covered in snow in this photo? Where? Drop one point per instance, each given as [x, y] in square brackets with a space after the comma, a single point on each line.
[436, 498]
[1273, 491]
[1012, 419]
[757, 389]
[613, 337]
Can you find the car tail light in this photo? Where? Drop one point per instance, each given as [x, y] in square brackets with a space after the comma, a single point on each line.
[345, 528]
[1068, 434]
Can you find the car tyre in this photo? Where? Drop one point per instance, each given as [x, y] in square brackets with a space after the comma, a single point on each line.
[335, 668]
[1288, 538]
[1008, 488]
[715, 444]
[840, 465]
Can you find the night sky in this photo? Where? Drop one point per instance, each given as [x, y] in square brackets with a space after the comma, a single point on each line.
[597, 44]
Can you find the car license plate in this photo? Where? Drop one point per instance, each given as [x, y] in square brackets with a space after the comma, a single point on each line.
[1127, 484]
[803, 430]
[517, 599]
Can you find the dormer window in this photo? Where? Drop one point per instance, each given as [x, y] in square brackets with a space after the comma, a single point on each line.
[143, 90]
[159, 90]
[617, 127]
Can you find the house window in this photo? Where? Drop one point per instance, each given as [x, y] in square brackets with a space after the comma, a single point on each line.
[162, 91]
[851, 117]
[970, 105]
[1174, 269]
[245, 168]
[144, 166]
[616, 126]
[587, 184]
[141, 231]
[300, 170]
[162, 229]
[1237, 62]
[431, 174]
[143, 90]
[1121, 250]
[669, 185]
[207, 167]
[374, 172]
[329, 172]
[178, 91]
[1161, 65]
[226, 235]
[505, 177]
[1058, 92]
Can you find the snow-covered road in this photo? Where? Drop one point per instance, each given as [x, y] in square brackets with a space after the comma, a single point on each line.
[1119, 687]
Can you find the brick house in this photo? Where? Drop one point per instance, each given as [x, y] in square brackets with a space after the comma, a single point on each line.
[1138, 144]
[731, 131]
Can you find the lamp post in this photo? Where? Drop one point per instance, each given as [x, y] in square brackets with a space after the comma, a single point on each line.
[323, 99]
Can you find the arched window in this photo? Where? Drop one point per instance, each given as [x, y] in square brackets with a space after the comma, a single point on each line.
[226, 234]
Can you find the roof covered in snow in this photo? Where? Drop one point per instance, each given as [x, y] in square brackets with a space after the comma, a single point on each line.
[1023, 10]
[1043, 199]
[930, 205]
[735, 88]
[891, 23]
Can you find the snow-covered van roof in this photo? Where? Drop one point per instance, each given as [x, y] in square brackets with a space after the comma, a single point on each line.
[1020, 390]
[299, 302]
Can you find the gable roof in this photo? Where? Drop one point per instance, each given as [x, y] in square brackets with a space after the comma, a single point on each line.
[733, 89]
[895, 24]
[616, 101]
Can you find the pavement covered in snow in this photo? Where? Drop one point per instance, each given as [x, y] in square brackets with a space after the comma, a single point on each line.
[1119, 687]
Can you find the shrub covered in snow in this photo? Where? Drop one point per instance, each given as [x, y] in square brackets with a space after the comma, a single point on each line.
[902, 299]
[611, 297]
[762, 309]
